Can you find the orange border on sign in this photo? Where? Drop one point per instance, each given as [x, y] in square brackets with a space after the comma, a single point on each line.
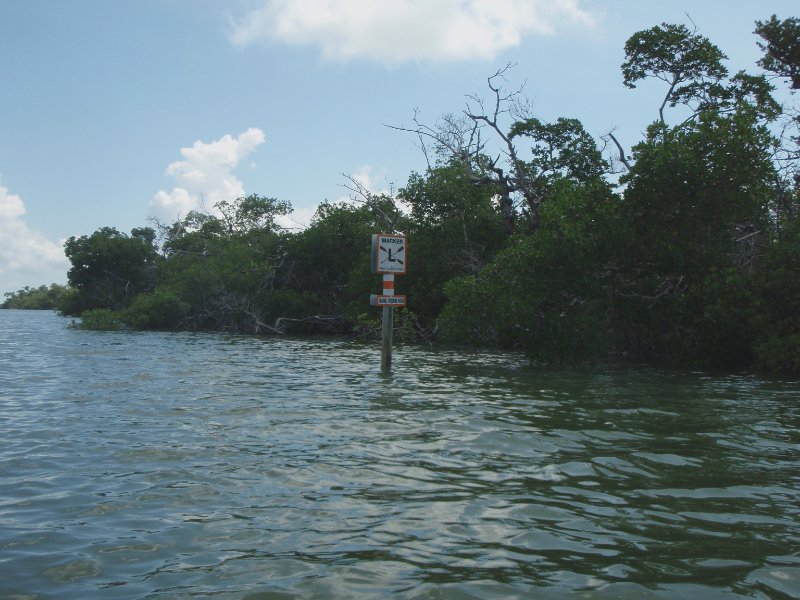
[401, 297]
[376, 251]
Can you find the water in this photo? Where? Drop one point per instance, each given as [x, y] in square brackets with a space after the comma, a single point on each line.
[161, 466]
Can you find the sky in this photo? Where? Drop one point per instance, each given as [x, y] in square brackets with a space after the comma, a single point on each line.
[116, 112]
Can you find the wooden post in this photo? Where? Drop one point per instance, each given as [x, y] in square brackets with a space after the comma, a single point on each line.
[386, 349]
[388, 325]
[389, 257]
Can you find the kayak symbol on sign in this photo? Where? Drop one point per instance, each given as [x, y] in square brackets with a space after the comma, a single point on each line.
[389, 254]
[392, 255]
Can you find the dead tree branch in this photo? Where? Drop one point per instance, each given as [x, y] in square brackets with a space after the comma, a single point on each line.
[622, 158]
[362, 194]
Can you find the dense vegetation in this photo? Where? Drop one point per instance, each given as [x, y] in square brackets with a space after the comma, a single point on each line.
[523, 234]
[41, 298]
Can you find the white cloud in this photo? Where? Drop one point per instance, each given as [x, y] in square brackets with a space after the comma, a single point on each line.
[27, 257]
[299, 218]
[406, 30]
[365, 177]
[367, 181]
[205, 175]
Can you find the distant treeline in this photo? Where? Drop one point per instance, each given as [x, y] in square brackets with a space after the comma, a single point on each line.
[42, 298]
[522, 233]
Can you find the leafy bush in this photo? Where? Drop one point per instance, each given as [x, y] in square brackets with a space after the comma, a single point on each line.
[367, 326]
[779, 353]
[100, 319]
[160, 309]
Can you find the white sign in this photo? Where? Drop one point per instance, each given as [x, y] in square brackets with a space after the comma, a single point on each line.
[381, 300]
[389, 253]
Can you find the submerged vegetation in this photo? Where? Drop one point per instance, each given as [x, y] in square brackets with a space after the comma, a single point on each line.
[523, 234]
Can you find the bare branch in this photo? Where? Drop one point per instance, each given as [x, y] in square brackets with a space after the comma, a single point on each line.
[469, 136]
[365, 196]
[673, 284]
[622, 158]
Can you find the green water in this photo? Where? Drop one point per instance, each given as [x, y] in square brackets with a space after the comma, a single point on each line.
[155, 465]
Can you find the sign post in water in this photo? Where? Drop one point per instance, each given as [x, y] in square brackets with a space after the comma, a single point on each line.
[389, 257]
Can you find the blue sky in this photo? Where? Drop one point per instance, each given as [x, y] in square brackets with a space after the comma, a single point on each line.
[115, 111]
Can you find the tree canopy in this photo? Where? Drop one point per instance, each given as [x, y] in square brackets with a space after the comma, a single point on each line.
[521, 234]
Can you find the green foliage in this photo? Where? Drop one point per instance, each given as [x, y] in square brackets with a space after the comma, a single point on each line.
[406, 329]
[696, 207]
[470, 318]
[686, 61]
[546, 294]
[100, 319]
[455, 229]
[694, 259]
[109, 268]
[724, 317]
[447, 194]
[293, 311]
[691, 186]
[220, 270]
[560, 150]
[159, 309]
[41, 298]
[777, 343]
[780, 351]
[781, 47]
[746, 92]
[252, 212]
[367, 326]
[330, 259]
[71, 303]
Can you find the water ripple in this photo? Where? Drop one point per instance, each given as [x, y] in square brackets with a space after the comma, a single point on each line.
[154, 465]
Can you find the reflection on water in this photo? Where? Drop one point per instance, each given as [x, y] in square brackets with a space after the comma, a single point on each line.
[150, 465]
